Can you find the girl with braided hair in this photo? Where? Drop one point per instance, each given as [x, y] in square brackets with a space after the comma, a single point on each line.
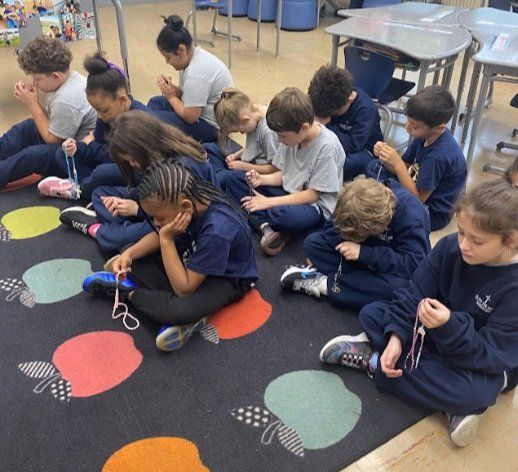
[199, 259]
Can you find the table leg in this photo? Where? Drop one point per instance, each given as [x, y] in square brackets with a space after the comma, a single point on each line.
[437, 72]
[423, 68]
[334, 52]
[122, 39]
[98, 35]
[229, 23]
[278, 24]
[448, 72]
[469, 104]
[259, 18]
[460, 89]
[194, 25]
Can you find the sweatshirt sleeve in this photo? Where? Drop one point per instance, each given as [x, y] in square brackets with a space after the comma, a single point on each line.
[492, 349]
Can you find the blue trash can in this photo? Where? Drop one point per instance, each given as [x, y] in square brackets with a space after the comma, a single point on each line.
[299, 15]
[268, 10]
[239, 8]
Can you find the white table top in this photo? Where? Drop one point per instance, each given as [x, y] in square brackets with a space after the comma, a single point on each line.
[477, 17]
[422, 42]
[498, 46]
[409, 12]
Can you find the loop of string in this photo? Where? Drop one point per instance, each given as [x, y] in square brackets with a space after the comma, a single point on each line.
[123, 309]
[72, 173]
[338, 275]
[418, 332]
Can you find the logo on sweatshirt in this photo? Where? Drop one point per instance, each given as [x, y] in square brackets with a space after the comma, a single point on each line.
[483, 303]
[345, 126]
[413, 170]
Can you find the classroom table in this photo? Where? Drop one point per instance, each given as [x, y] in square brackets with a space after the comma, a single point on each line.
[498, 54]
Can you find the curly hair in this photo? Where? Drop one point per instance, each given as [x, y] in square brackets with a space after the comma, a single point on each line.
[329, 90]
[44, 56]
[364, 208]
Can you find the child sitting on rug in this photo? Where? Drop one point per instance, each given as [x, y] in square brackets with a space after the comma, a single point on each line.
[136, 140]
[372, 244]
[236, 113]
[199, 260]
[302, 193]
[433, 167]
[461, 302]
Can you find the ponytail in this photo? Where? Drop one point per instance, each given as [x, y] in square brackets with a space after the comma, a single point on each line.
[173, 34]
[104, 77]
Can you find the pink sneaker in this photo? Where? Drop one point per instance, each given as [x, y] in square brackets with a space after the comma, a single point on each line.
[57, 187]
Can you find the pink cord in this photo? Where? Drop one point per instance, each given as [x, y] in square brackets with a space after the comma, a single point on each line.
[125, 311]
[417, 332]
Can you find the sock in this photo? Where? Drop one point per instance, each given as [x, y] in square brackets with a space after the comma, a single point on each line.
[322, 286]
[505, 381]
[373, 361]
[92, 229]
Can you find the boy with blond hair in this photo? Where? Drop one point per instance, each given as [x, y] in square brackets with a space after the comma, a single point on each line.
[376, 238]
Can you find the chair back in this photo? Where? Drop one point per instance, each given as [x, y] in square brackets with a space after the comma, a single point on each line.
[464, 3]
[371, 71]
[379, 3]
[500, 4]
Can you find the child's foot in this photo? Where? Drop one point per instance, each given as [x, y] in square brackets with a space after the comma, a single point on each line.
[80, 219]
[171, 338]
[57, 187]
[304, 279]
[272, 242]
[463, 429]
[349, 351]
[103, 284]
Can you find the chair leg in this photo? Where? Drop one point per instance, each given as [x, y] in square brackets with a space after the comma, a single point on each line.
[188, 19]
[388, 125]
[503, 145]
[216, 32]
[489, 98]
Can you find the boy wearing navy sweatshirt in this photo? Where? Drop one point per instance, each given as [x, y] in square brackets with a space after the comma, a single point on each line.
[433, 167]
[373, 243]
[350, 113]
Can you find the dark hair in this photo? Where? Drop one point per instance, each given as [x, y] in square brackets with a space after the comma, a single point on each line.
[329, 90]
[289, 110]
[103, 77]
[173, 34]
[434, 106]
[147, 139]
[44, 56]
[512, 172]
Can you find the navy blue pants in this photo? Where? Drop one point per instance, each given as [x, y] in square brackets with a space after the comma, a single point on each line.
[216, 159]
[117, 232]
[201, 130]
[20, 136]
[289, 219]
[435, 384]
[356, 164]
[358, 285]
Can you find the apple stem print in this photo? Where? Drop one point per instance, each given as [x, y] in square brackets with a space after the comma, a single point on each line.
[5, 234]
[17, 288]
[60, 388]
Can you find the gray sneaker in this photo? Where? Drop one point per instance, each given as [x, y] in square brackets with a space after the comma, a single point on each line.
[463, 429]
[302, 279]
[272, 242]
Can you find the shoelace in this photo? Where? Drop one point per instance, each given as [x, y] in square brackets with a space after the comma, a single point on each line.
[72, 175]
[83, 227]
[117, 304]
[338, 275]
[308, 285]
[352, 360]
[418, 332]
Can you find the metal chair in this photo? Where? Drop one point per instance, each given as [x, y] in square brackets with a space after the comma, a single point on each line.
[502, 144]
[373, 72]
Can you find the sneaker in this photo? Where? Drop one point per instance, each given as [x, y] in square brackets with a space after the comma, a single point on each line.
[463, 429]
[349, 351]
[272, 241]
[78, 218]
[171, 338]
[103, 284]
[512, 380]
[57, 187]
[304, 279]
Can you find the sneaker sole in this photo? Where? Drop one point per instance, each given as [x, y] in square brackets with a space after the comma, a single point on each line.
[362, 337]
[176, 337]
[294, 270]
[466, 431]
[273, 244]
[81, 210]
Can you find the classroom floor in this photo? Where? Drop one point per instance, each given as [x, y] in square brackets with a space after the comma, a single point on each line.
[424, 446]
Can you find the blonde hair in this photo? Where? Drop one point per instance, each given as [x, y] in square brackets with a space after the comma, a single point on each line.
[229, 108]
[364, 208]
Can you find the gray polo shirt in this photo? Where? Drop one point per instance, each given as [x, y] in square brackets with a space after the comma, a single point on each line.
[261, 144]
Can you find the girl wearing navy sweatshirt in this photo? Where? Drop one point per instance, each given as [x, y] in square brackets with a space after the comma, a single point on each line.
[107, 92]
[136, 140]
[372, 245]
[199, 260]
[463, 297]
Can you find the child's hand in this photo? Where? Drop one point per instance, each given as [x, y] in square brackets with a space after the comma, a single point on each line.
[238, 165]
[350, 251]
[432, 313]
[122, 265]
[166, 86]
[256, 203]
[390, 159]
[178, 226]
[26, 93]
[377, 148]
[231, 158]
[390, 356]
[253, 178]
[120, 206]
[69, 146]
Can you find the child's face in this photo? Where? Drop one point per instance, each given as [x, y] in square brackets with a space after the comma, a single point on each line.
[179, 60]
[480, 247]
[420, 130]
[163, 212]
[246, 124]
[47, 83]
[109, 108]
[292, 138]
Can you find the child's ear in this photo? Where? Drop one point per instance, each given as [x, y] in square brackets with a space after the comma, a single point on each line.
[511, 241]
[441, 127]
[186, 206]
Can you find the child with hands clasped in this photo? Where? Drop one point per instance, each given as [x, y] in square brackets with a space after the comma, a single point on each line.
[198, 261]
[449, 341]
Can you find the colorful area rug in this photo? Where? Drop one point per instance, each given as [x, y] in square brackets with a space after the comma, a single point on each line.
[82, 393]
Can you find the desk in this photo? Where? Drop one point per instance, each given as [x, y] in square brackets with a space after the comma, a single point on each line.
[498, 54]
[409, 13]
[410, 39]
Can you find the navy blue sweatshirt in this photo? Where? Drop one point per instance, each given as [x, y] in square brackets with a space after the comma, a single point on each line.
[358, 129]
[482, 332]
[402, 246]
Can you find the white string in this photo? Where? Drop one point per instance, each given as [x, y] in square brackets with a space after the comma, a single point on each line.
[72, 174]
[125, 311]
[417, 332]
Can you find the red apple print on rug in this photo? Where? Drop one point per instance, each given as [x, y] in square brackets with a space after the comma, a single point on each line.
[86, 365]
[238, 319]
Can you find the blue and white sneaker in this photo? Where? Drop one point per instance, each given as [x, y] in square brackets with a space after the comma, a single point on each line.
[349, 351]
[304, 279]
[171, 338]
[463, 429]
[103, 284]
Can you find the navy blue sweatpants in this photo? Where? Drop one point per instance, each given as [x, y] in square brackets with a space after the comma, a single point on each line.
[356, 164]
[289, 219]
[216, 159]
[358, 285]
[201, 130]
[20, 136]
[435, 384]
[116, 232]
